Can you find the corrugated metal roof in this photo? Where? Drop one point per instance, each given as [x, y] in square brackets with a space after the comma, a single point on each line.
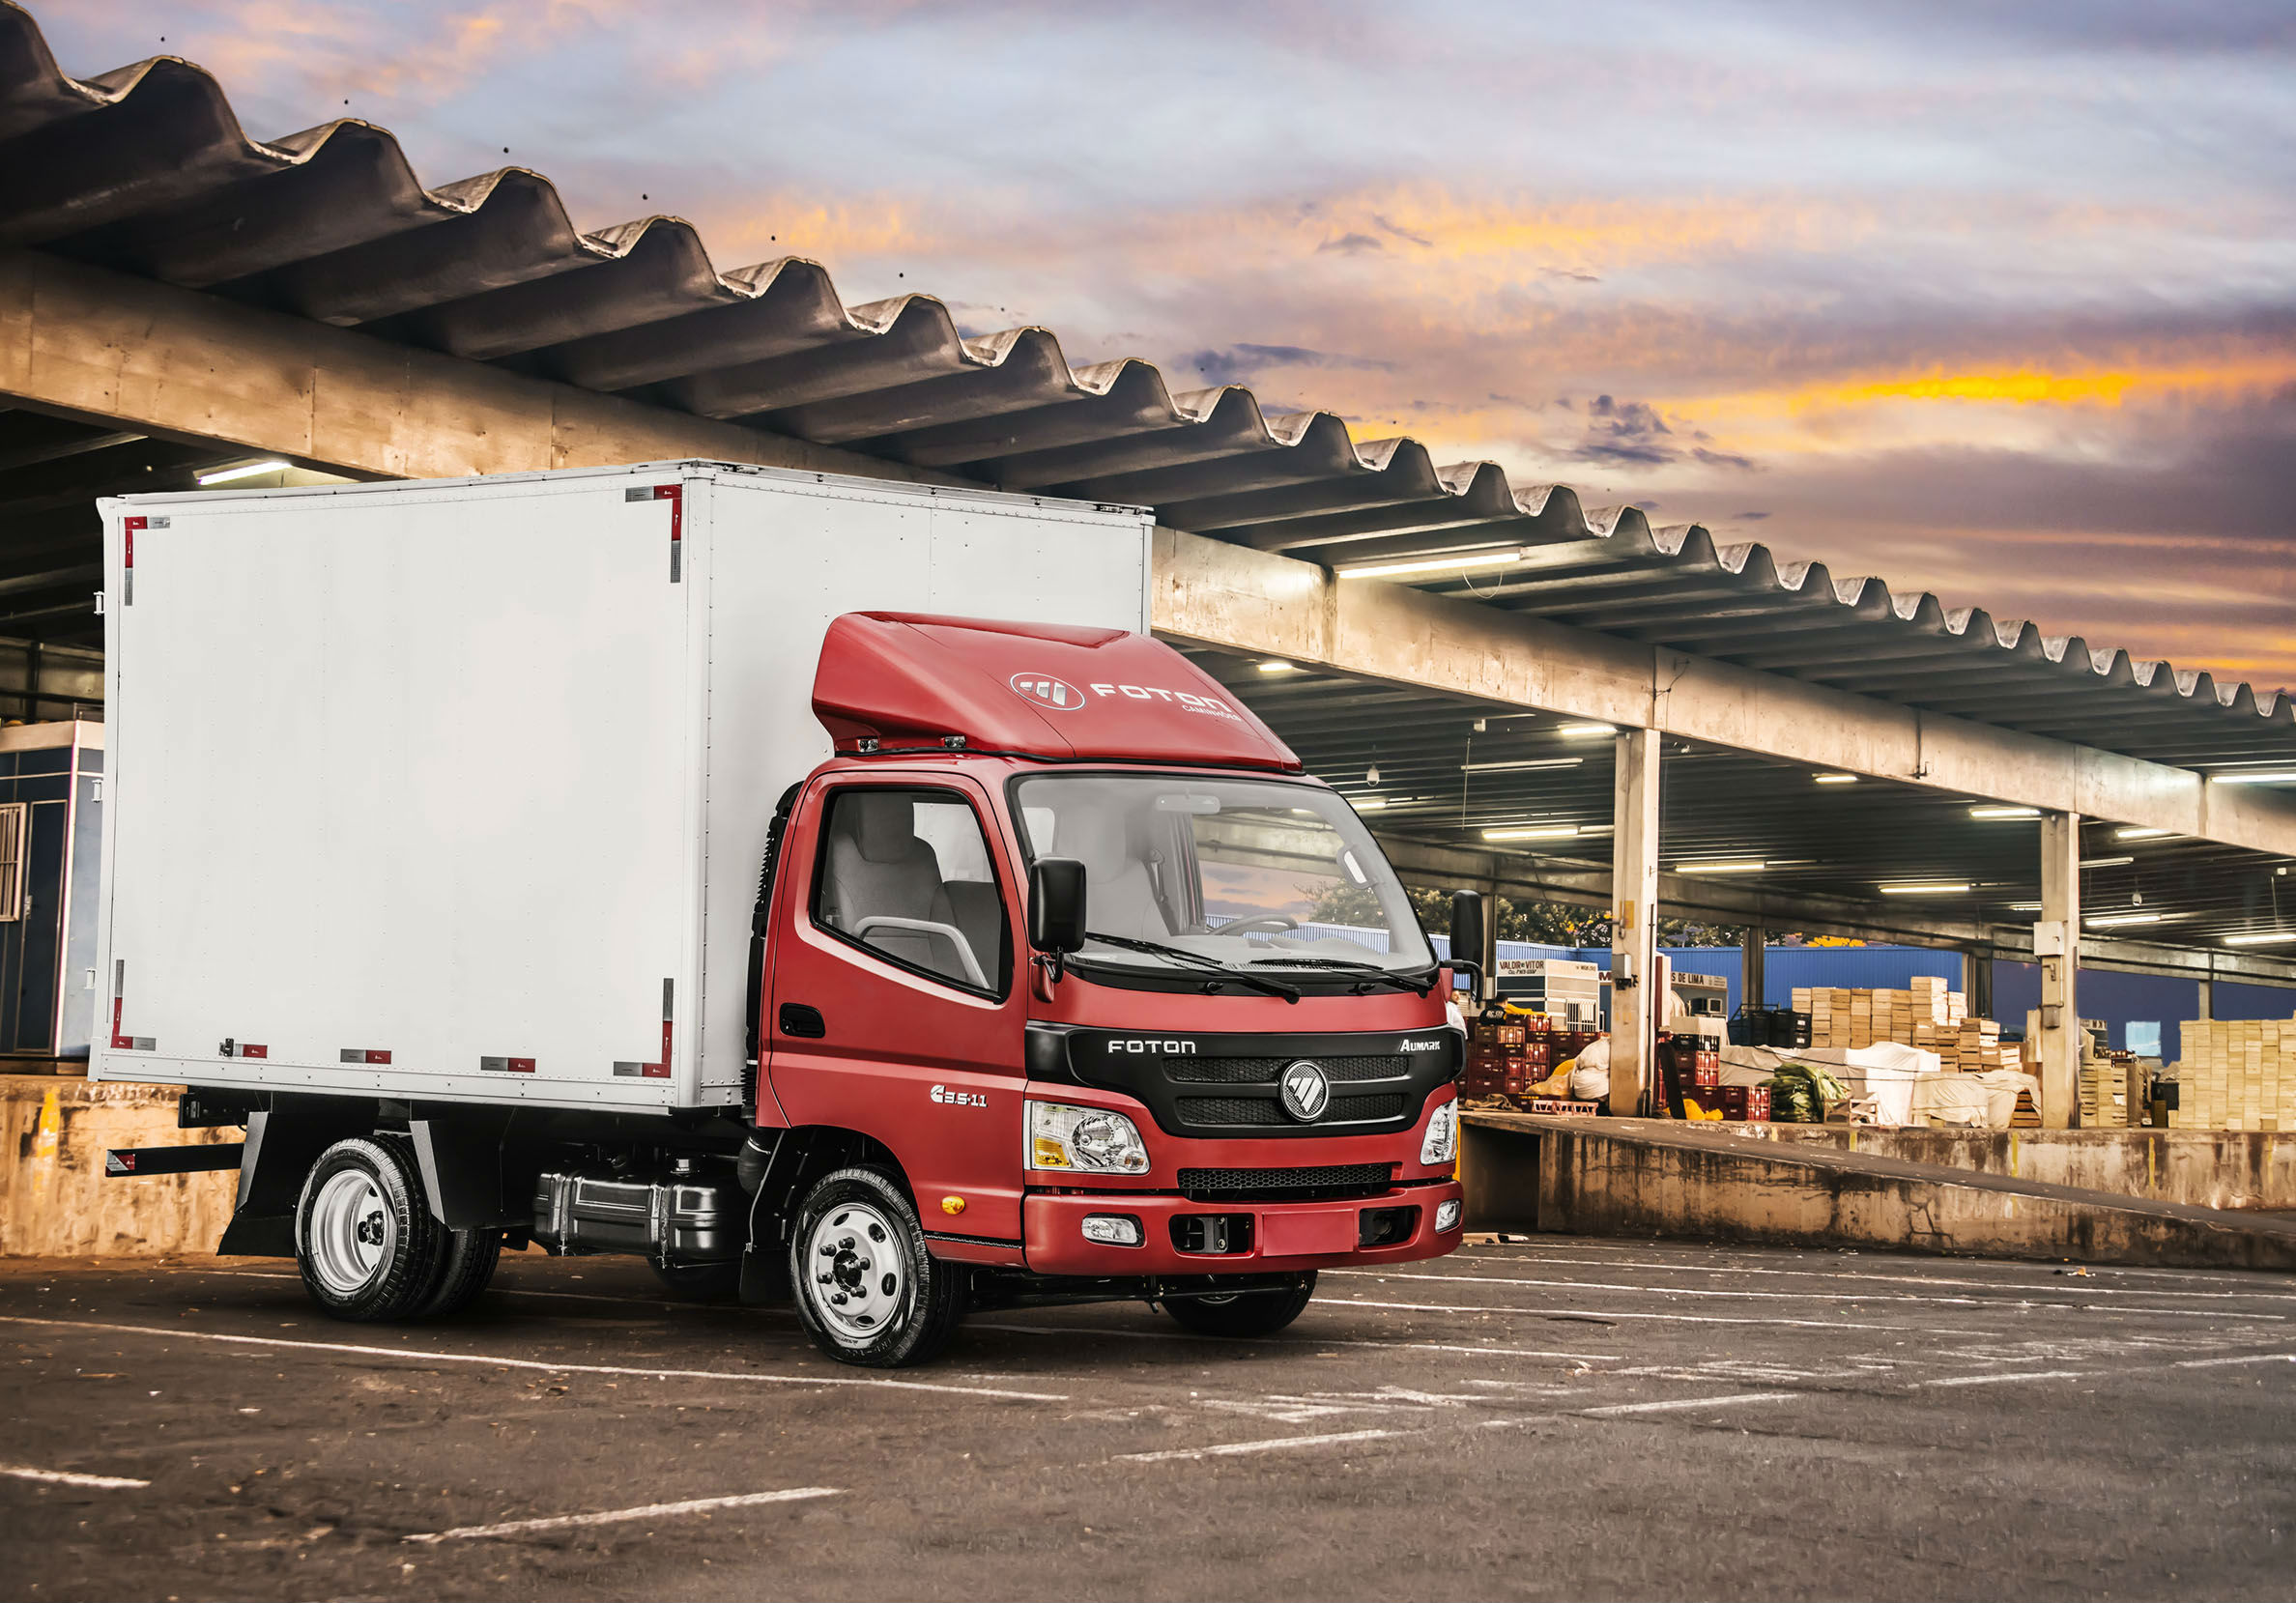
[146, 169]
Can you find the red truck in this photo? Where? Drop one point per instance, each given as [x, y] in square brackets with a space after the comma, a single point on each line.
[516, 901]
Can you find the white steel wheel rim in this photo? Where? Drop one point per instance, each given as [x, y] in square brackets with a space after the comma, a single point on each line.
[856, 1272]
[352, 1234]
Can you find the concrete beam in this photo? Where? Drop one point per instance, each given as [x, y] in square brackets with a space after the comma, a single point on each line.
[171, 362]
[1210, 594]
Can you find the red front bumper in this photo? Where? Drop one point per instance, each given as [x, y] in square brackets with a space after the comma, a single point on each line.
[1285, 1235]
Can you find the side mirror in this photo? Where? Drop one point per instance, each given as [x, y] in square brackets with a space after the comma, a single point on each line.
[1467, 936]
[1056, 906]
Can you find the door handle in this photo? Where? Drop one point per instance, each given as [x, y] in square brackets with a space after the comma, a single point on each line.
[803, 1022]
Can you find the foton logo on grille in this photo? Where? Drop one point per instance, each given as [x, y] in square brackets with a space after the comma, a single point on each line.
[1044, 691]
[1136, 1043]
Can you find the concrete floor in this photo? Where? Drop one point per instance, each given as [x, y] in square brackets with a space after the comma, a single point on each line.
[1562, 1417]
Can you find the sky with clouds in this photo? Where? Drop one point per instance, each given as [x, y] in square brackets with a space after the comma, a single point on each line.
[1993, 299]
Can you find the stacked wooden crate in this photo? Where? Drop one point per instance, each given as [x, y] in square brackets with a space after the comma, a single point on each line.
[1969, 1045]
[2237, 1075]
[1848, 1019]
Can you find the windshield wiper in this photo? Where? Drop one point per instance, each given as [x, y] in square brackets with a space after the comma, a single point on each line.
[1258, 982]
[1347, 965]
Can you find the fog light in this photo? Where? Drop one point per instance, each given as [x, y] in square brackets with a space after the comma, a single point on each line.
[1447, 1215]
[1112, 1229]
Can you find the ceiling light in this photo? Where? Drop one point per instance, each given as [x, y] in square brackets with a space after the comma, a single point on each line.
[2107, 862]
[1277, 666]
[1836, 779]
[2106, 921]
[1992, 812]
[2024, 906]
[1926, 890]
[1436, 565]
[1520, 763]
[1372, 774]
[2141, 832]
[2265, 938]
[1581, 731]
[2274, 776]
[1532, 832]
[224, 475]
[1367, 804]
[1720, 868]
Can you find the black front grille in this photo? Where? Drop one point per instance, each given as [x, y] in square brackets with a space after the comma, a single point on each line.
[1261, 1112]
[1325, 1184]
[1264, 1070]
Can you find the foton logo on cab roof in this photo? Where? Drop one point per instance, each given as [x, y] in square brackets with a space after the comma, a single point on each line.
[1044, 691]
[1189, 701]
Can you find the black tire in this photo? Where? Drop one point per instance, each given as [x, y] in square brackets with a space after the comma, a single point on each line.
[1244, 1314]
[700, 1282]
[364, 1238]
[464, 1269]
[875, 1297]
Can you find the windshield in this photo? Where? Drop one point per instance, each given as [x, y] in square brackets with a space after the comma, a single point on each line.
[1254, 874]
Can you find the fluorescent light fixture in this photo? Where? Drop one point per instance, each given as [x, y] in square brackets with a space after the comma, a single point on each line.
[1436, 565]
[2106, 921]
[1836, 779]
[1367, 804]
[2024, 906]
[1749, 867]
[1992, 812]
[2267, 937]
[1962, 889]
[2141, 832]
[224, 475]
[1532, 832]
[1276, 665]
[2108, 862]
[1520, 764]
[2275, 775]
[1582, 731]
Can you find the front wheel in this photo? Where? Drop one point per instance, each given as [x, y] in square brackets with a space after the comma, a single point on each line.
[1243, 1314]
[867, 1290]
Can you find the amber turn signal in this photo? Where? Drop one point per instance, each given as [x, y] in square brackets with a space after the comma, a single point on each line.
[952, 1205]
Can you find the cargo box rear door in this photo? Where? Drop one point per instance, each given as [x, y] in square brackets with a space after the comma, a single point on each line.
[401, 794]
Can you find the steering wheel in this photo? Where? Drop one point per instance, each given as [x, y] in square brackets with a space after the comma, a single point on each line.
[1272, 923]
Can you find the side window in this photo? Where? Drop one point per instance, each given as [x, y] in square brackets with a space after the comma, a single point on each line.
[907, 874]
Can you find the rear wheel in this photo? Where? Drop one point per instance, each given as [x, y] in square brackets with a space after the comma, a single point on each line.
[364, 1238]
[868, 1291]
[465, 1268]
[1243, 1314]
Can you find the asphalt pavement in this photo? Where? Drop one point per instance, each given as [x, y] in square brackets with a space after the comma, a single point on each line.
[1560, 1417]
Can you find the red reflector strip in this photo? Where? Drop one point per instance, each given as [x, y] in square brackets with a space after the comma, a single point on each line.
[245, 1050]
[507, 1064]
[363, 1055]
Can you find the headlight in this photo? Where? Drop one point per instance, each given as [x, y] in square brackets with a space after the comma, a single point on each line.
[1087, 1141]
[1442, 1143]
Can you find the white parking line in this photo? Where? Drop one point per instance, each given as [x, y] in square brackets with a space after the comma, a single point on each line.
[1074, 1332]
[1227, 1450]
[71, 1477]
[1848, 1267]
[424, 1355]
[1605, 1315]
[2018, 1295]
[2253, 1357]
[616, 1516]
[2003, 1380]
[1729, 1401]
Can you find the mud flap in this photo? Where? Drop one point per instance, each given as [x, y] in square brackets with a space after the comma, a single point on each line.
[463, 1172]
[282, 1144]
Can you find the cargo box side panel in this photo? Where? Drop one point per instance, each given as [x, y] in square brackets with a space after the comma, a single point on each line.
[401, 796]
[786, 559]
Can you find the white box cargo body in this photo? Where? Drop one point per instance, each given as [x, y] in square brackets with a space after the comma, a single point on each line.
[457, 789]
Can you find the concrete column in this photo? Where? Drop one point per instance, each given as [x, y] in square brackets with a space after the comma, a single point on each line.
[1977, 983]
[2057, 942]
[2207, 998]
[1753, 947]
[1636, 1009]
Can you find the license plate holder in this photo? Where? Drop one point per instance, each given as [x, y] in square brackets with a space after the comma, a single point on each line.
[1308, 1232]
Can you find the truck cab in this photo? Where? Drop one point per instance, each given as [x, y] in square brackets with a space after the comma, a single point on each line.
[1132, 1000]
